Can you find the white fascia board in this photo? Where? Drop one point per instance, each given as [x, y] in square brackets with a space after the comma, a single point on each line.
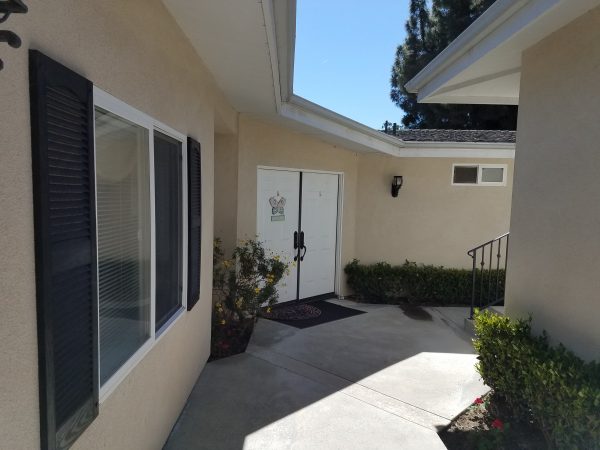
[466, 42]
[269, 18]
[333, 124]
[506, 29]
[475, 150]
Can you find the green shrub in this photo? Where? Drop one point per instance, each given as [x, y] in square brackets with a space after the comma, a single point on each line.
[375, 283]
[558, 390]
[382, 282]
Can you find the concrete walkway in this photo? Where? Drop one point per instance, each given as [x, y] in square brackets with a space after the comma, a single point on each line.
[380, 380]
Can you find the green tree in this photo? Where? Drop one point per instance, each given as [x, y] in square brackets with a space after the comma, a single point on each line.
[428, 32]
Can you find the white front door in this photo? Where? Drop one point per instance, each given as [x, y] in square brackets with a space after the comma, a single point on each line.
[278, 209]
[283, 213]
[319, 216]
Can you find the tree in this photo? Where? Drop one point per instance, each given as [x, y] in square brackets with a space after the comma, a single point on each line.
[428, 32]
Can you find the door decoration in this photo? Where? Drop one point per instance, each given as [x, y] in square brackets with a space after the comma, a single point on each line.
[277, 208]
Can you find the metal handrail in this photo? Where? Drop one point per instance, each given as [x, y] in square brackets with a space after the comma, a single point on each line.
[483, 296]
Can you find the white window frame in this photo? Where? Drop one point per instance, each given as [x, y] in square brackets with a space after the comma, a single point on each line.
[104, 100]
[480, 168]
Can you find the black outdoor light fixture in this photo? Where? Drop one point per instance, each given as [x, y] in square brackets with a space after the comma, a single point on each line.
[8, 7]
[396, 185]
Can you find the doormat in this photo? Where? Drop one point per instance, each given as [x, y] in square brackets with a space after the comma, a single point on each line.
[300, 316]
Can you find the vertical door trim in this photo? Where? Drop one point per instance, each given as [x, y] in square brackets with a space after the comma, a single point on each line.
[339, 229]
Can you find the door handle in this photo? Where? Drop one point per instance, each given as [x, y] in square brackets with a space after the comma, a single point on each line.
[302, 246]
[295, 245]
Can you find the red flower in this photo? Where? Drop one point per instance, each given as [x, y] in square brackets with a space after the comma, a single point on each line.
[478, 401]
[497, 424]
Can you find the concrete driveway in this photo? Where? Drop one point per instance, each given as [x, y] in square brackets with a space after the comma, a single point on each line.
[380, 380]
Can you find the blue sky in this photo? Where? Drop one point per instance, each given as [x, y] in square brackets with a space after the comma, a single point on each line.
[344, 54]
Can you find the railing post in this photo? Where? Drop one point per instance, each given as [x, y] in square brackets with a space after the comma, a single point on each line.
[474, 257]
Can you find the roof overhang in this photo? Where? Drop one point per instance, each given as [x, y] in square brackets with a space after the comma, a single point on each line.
[249, 49]
[483, 65]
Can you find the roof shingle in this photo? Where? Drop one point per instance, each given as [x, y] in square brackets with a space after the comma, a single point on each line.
[492, 136]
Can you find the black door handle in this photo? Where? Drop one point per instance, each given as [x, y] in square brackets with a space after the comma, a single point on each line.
[302, 245]
[296, 245]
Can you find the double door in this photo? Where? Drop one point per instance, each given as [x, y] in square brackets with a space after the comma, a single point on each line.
[297, 219]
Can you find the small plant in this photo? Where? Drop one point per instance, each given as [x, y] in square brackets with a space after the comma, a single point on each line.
[242, 286]
[547, 384]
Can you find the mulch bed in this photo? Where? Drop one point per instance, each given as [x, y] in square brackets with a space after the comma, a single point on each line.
[490, 425]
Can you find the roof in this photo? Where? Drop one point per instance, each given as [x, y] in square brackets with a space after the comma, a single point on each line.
[483, 64]
[491, 136]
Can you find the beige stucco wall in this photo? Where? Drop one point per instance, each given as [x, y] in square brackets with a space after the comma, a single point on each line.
[430, 221]
[553, 268]
[135, 51]
[226, 190]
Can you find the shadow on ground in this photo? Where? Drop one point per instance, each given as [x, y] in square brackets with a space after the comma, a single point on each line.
[377, 380]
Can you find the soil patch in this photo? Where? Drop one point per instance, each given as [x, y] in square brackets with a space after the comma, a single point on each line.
[488, 424]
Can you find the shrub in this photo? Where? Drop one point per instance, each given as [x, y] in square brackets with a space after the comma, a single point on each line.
[247, 281]
[555, 388]
[376, 283]
[382, 282]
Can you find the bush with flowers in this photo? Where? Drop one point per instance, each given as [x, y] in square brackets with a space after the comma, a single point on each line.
[243, 285]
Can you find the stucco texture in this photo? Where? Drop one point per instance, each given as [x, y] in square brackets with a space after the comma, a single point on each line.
[430, 221]
[135, 51]
[553, 267]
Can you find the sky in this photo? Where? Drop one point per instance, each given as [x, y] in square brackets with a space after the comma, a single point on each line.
[344, 55]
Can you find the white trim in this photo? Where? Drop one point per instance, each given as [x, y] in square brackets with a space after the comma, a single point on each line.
[297, 169]
[267, 9]
[480, 182]
[491, 49]
[104, 100]
[339, 230]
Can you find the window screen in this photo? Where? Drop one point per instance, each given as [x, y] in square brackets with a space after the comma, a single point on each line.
[492, 174]
[123, 214]
[465, 174]
[169, 221]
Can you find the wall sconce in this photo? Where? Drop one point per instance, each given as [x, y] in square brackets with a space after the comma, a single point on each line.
[396, 185]
[8, 7]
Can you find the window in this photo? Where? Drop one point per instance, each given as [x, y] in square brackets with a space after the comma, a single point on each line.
[142, 233]
[112, 221]
[479, 174]
[123, 217]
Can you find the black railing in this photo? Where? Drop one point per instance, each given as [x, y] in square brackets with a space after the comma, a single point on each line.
[490, 261]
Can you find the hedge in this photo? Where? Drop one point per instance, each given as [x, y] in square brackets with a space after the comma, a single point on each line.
[384, 283]
[549, 384]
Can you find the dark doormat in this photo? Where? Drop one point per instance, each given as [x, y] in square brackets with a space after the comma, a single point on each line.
[305, 316]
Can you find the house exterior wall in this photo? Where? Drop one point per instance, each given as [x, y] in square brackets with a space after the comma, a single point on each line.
[430, 221]
[135, 51]
[226, 190]
[553, 267]
[267, 144]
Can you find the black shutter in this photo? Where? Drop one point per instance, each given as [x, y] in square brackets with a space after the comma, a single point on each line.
[194, 222]
[65, 249]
